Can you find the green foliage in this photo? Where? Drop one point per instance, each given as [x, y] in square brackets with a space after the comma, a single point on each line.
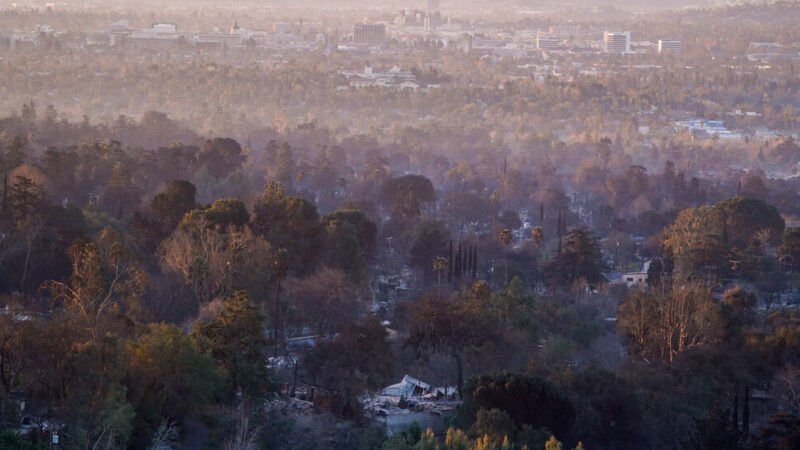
[745, 217]
[789, 250]
[325, 301]
[405, 440]
[729, 237]
[427, 441]
[372, 438]
[422, 187]
[228, 212]
[291, 223]
[526, 399]
[344, 251]
[235, 340]
[452, 326]
[10, 440]
[221, 156]
[740, 300]
[607, 408]
[782, 432]
[456, 440]
[115, 419]
[466, 207]
[781, 345]
[175, 201]
[106, 278]
[580, 259]
[715, 431]
[515, 306]
[359, 358]
[168, 377]
[430, 242]
[494, 423]
[121, 191]
[406, 204]
[465, 415]
[533, 437]
[365, 229]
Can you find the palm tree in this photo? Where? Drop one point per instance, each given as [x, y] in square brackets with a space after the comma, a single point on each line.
[440, 265]
[505, 239]
[537, 234]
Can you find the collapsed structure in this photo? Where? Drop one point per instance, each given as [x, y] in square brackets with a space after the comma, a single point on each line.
[411, 400]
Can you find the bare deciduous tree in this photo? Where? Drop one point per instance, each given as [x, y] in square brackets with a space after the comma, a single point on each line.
[664, 322]
[211, 261]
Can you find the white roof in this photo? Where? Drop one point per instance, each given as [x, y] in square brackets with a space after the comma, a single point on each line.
[405, 388]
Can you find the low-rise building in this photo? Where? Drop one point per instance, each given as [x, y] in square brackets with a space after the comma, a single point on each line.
[669, 46]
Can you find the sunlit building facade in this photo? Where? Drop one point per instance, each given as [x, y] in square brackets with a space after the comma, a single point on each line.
[617, 42]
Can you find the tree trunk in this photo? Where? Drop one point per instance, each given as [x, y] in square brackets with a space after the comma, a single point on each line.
[275, 319]
[294, 382]
[460, 379]
[505, 280]
[31, 236]
[736, 408]
[25, 267]
[746, 411]
[450, 264]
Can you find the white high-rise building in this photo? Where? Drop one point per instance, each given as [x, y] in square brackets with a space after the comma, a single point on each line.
[371, 34]
[617, 42]
[547, 43]
[433, 6]
[669, 46]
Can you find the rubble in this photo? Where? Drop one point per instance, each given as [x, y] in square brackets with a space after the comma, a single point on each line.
[411, 400]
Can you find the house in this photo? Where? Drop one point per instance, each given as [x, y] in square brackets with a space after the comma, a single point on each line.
[637, 279]
[408, 387]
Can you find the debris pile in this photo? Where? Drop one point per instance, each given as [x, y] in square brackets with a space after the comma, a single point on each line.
[409, 396]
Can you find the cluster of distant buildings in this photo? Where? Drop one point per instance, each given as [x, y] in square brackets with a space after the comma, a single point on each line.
[164, 36]
[555, 39]
[395, 79]
[620, 42]
[708, 129]
[409, 28]
[767, 51]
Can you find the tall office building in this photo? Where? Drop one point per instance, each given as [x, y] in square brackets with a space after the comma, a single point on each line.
[669, 46]
[547, 43]
[372, 35]
[433, 6]
[617, 42]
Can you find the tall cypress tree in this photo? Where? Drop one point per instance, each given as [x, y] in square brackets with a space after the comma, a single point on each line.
[457, 269]
[464, 264]
[558, 230]
[4, 205]
[450, 264]
[474, 262]
[475, 265]
[468, 266]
